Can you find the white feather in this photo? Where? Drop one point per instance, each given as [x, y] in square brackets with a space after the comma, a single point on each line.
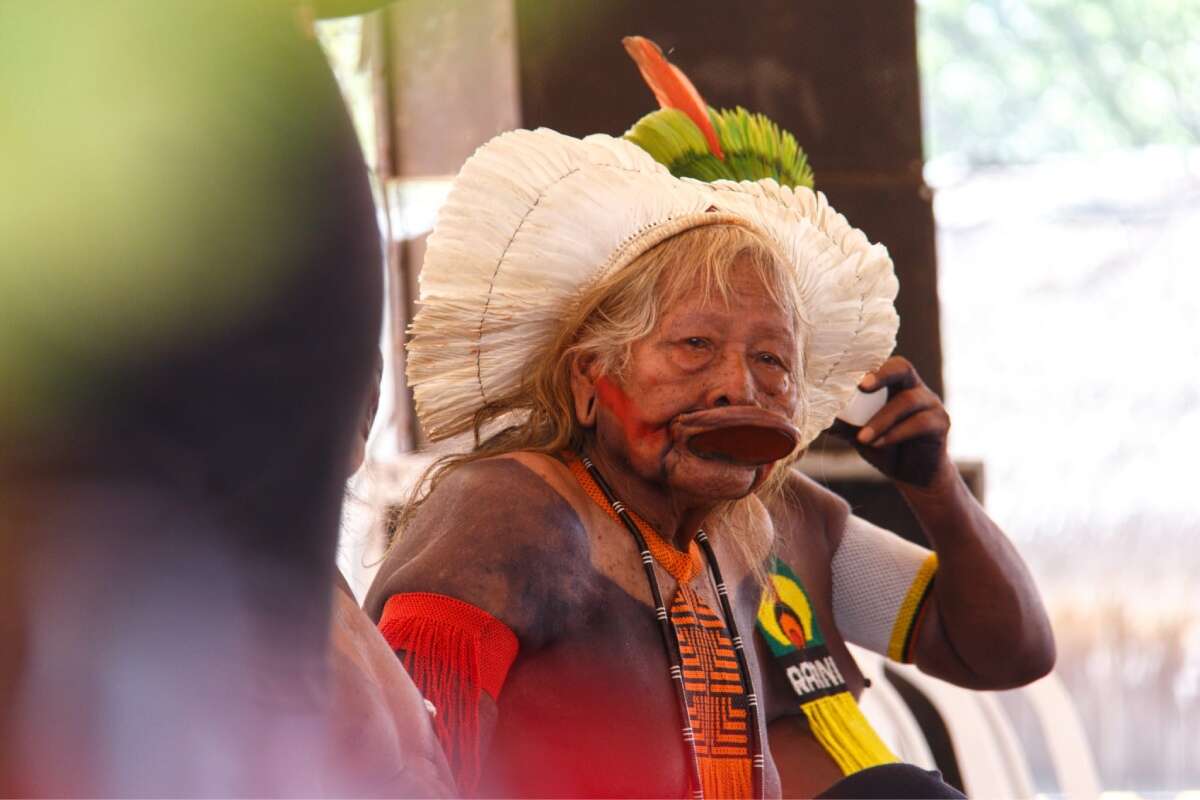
[535, 218]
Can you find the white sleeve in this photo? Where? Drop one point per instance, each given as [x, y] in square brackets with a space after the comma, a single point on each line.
[880, 584]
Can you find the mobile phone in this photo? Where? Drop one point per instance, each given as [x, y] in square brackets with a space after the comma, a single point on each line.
[863, 406]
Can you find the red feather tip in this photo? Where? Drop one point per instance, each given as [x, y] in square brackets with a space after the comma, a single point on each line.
[671, 87]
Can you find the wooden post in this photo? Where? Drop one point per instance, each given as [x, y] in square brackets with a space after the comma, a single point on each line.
[448, 85]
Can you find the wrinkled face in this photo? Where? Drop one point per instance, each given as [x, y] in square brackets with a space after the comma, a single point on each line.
[707, 366]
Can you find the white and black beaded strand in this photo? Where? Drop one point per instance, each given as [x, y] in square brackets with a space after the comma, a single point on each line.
[671, 642]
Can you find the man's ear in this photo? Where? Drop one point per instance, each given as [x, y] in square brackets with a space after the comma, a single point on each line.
[583, 388]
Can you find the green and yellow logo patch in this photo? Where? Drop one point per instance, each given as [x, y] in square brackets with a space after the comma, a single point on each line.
[786, 620]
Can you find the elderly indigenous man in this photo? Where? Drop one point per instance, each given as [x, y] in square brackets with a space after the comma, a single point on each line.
[623, 588]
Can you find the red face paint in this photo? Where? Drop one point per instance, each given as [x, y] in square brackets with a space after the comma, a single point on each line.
[622, 406]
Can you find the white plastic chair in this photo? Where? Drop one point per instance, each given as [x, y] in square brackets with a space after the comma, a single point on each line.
[1065, 738]
[990, 759]
[888, 713]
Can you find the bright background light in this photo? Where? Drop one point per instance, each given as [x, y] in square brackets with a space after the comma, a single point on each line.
[1064, 148]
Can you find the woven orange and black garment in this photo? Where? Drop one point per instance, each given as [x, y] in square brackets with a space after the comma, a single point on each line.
[717, 702]
[716, 698]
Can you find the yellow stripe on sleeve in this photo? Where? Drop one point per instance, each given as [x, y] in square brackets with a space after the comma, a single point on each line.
[902, 629]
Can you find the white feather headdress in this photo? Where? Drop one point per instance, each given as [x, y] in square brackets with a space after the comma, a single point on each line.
[535, 218]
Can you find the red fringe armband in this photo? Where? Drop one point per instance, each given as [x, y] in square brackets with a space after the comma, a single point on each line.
[453, 651]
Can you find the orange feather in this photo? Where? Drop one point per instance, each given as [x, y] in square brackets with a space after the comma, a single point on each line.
[671, 87]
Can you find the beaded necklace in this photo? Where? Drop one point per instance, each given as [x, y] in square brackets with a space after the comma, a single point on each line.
[672, 645]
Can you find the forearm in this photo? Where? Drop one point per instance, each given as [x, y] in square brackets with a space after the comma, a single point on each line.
[988, 614]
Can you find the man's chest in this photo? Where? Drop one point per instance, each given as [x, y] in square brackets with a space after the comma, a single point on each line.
[802, 554]
[599, 710]
[596, 711]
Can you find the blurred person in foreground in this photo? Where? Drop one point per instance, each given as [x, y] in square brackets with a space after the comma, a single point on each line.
[623, 589]
[190, 302]
[383, 735]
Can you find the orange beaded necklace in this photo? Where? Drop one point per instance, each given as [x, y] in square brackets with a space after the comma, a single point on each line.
[718, 706]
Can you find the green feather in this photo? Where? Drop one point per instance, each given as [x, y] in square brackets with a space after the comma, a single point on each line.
[754, 147]
[674, 141]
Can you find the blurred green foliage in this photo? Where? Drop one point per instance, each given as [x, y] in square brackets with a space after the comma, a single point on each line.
[1010, 81]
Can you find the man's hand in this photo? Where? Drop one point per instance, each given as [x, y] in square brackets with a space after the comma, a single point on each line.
[906, 439]
[985, 626]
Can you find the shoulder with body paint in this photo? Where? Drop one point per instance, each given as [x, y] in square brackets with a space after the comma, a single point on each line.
[805, 513]
[499, 534]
